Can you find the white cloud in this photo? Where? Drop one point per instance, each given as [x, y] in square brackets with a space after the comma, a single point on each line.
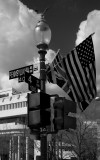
[54, 89]
[92, 25]
[17, 24]
[50, 56]
[5, 83]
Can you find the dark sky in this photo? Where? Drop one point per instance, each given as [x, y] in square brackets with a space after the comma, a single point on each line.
[64, 18]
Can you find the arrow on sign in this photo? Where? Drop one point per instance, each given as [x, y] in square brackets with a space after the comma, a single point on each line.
[32, 81]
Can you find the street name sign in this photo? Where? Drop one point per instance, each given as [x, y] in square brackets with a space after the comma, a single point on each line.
[32, 81]
[16, 73]
[36, 69]
[22, 77]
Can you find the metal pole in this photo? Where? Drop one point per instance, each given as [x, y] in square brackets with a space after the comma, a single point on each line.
[9, 149]
[18, 147]
[42, 69]
[42, 53]
[27, 147]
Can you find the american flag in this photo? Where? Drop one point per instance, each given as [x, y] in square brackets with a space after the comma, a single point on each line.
[81, 71]
[56, 74]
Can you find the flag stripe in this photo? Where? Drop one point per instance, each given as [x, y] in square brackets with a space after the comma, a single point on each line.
[81, 75]
[93, 79]
[92, 76]
[76, 81]
[86, 80]
[77, 67]
[72, 94]
[67, 72]
[72, 77]
[88, 84]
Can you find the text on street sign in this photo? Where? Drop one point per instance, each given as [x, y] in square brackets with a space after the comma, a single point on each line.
[20, 71]
[32, 80]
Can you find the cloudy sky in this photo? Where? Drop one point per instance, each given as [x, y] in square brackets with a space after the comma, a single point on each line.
[71, 21]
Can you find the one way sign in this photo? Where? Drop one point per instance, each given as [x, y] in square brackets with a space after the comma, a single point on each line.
[32, 81]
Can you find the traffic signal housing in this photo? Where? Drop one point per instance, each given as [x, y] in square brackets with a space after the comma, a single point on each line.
[62, 119]
[69, 114]
[58, 114]
[39, 114]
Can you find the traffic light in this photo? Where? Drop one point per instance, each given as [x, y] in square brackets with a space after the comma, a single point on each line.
[58, 114]
[62, 119]
[39, 114]
[69, 114]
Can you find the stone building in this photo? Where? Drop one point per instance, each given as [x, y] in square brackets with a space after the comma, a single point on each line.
[15, 143]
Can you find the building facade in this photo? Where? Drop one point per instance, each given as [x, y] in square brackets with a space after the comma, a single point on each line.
[15, 140]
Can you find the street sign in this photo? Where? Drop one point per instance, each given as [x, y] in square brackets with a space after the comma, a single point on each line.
[20, 71]
[21, 78]
[32, 80]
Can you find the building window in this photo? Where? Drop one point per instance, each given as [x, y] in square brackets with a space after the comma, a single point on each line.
[0, 108]
[19, 104]
[3, 107]
[15, 105]
[24, 104]
[8, 106]
[12, 106]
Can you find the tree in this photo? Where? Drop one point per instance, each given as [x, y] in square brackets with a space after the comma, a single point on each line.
[82, 141]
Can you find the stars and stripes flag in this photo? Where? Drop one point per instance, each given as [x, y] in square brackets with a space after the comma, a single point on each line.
[81, 71]
[76, 73]
[56, 74]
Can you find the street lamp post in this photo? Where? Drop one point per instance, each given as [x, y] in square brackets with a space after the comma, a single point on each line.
[42, 37]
